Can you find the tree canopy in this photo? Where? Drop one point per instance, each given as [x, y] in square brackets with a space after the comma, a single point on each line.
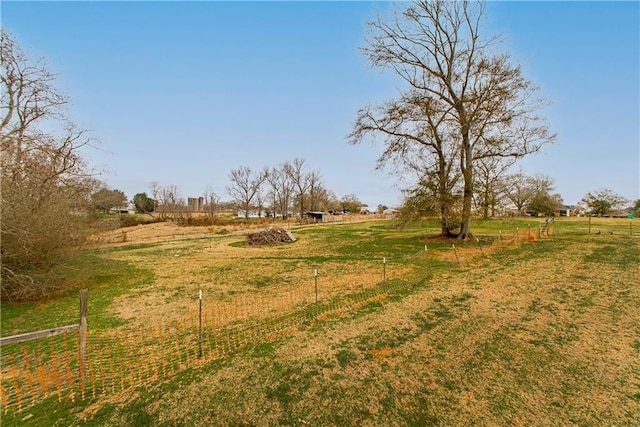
[603, 202]
[106, 199]
[143, 203]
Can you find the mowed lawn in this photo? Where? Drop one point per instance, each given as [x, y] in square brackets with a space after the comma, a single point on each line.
[544, 333]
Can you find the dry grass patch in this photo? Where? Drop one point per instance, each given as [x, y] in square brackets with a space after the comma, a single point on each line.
[228, 271]
[547, 340]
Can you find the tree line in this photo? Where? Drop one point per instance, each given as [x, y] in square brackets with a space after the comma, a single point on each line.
[291, 188]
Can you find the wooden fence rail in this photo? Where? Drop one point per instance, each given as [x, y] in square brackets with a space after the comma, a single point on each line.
[15, 339]
[80, 327]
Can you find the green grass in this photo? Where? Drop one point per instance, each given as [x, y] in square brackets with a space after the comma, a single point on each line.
[533, 335]
[105, 279]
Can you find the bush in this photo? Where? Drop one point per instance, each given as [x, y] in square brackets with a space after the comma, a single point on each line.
[133, 220]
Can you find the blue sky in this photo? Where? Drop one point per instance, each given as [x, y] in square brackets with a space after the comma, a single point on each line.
[183, 92]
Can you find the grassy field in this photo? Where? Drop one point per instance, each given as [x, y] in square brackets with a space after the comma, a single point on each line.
[544, 333]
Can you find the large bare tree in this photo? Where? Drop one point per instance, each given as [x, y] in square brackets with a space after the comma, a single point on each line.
[244, 187]
[418, 142]
[46, 186]
[481, 104]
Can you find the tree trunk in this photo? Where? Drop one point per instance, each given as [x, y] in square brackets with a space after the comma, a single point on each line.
[466, 164]
[485, 205]
[444, 223]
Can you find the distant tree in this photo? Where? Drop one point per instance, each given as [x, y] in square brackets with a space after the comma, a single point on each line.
[315, 191]
[280, 190]
[143, 203]
[173, 202]
[46, 186]
[328, 200]
[245, 186]
[635, 209]
[351, 203]
[518, 189]
[603, 202]
[543, 201]
[106, 199]
[545, 204]
[169, 203]
[381, 208]
[481, 104]
[211, 201]
[300, 178]
[489, 190]
[156, 190]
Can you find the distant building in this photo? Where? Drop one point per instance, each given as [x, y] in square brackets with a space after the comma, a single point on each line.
[390, 211]
[195, 204]
[252, 214]
[122, 210]
[566, 210]
[316, 216]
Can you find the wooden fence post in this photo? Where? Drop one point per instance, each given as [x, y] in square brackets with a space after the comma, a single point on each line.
[456, 252]
[82, 333]
[384, 269]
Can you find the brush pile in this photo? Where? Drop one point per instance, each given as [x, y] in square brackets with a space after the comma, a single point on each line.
[270, 236]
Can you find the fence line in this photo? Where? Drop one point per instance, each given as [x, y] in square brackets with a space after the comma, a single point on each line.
[121, 359]
[114, 361]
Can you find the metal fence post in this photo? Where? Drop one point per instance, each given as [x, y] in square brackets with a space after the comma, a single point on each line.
[315, 274]
[82, 333]
[199, 323]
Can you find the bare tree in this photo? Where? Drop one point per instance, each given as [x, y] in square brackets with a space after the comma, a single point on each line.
[419, 142]
[297, 171]
[489, 190]
[280, 190]
[315, 191]
[46, 186]
[351, 203]
[517, 189]
[211, 201]
[245, 187]
[173, 202]
[543, 200]
[531, 193]
[169, 201]
[603, 202]
[324, 200]
[480, 103]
